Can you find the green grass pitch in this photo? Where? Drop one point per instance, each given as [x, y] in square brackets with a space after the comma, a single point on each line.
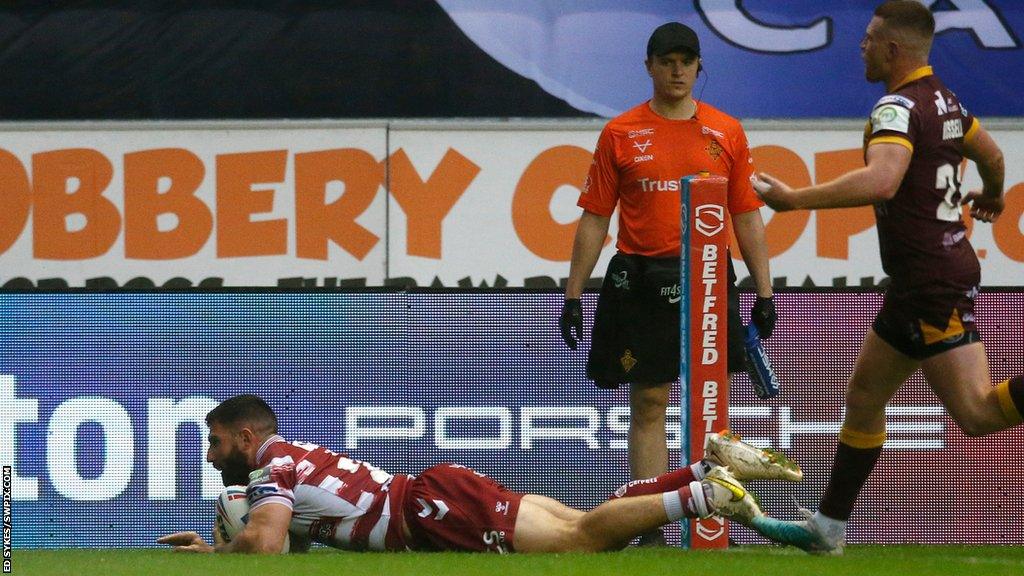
[741, 561]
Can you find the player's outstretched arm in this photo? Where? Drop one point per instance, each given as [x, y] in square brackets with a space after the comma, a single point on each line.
[186, 542]
[264, 533]
[878, 181]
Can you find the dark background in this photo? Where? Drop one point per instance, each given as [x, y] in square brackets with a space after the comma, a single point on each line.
[250, 60]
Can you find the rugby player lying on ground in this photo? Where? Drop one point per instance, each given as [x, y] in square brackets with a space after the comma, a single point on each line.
[304, 493]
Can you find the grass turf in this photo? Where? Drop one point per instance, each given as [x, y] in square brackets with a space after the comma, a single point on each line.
[743, 561]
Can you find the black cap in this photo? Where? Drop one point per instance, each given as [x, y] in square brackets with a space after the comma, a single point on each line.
[672, 37]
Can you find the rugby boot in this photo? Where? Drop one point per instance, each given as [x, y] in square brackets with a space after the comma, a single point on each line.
[728, 498]
[808, 534]
[748, 462]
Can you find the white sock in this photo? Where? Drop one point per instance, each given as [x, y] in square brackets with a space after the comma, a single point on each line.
[700, 469]
[701, 506]
[673, 505]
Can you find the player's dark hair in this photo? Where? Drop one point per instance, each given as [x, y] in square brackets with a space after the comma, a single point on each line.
[245, 409]
[907, 15]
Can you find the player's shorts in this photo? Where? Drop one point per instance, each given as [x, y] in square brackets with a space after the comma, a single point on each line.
[451, 507]
[636, 325]
[927, 321]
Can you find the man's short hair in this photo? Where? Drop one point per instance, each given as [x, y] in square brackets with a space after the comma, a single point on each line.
[245, 409]
[907, 15]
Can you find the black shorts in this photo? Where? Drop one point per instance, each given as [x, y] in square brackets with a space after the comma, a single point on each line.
[636, 325]
[927, 320]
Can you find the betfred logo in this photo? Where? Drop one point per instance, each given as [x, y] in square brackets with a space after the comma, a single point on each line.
[710, 528]
[710, 219]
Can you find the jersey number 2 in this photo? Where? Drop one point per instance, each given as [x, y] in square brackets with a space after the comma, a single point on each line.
[945, 180]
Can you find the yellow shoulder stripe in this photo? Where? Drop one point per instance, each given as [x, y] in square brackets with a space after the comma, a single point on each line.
[892, 140]
[972, 130]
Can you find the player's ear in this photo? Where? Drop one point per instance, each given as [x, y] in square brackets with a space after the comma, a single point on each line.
[247, 436]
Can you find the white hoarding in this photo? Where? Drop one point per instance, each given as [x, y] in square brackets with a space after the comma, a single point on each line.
[428, 203]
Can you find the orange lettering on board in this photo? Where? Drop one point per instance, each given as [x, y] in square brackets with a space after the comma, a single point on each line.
[69, 183]
[784, 228]
[145, 202]
[531, 204]
[836, 226]
[15, 199]
[317, 222]
[1006, 230]
[237, 201]
[426, 204]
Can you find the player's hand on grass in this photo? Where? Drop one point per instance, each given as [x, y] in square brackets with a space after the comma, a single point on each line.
[984, 207]
[571, 321]
[185, 542]
[774, 192]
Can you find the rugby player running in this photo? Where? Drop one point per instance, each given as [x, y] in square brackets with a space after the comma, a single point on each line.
[916, 139]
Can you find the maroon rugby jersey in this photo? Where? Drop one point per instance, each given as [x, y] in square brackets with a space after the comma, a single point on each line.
[334, 500]
[921, 235]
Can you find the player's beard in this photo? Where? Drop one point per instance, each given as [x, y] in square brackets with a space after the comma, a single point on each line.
[235, 469]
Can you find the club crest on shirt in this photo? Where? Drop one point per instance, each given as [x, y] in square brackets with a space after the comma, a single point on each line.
[714, 149]
[628, 361]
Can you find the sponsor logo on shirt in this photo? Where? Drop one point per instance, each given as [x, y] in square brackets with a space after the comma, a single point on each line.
[890, 117]
[952, 129]
[641, 132]
[705, 131]
[673, 293]
[621, 280]
[650, 185]
[642, 148]
[896, 99]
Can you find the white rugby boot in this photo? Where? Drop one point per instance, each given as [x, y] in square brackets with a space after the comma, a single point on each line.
[748, 462]
[728, 497]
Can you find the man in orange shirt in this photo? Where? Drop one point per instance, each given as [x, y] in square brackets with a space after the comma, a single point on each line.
[640, 157]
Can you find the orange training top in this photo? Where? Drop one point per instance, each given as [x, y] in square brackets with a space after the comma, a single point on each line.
[639, 160]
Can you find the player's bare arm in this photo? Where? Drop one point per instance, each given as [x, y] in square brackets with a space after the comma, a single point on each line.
[878, 181]
[264, 533]
[590, 235]
[986, 204]
[749, 228]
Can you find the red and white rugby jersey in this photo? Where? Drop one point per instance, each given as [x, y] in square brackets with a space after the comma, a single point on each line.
[335, 500]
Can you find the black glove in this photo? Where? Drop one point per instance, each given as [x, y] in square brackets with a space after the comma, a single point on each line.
[571, 320]
[763, 316]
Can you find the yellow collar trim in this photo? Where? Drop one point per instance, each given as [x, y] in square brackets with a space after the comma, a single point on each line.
[915, 75]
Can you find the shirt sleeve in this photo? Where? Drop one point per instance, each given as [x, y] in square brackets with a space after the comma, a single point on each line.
[272, 483]
[892, 121]
[601, 188]
[971, 122]
[742, 197]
